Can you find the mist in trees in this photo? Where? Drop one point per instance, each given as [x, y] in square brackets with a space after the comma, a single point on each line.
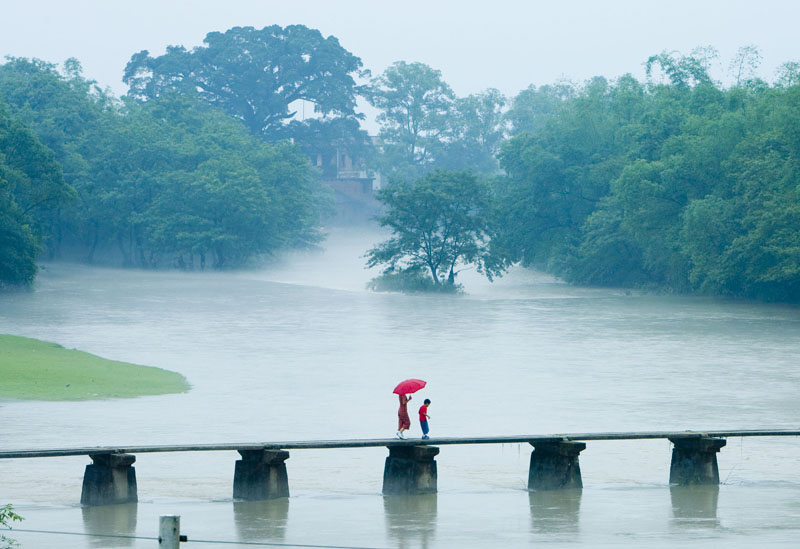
[674, 182]
[425, 127]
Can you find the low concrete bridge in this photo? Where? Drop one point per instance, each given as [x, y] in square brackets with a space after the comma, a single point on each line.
[410, 467]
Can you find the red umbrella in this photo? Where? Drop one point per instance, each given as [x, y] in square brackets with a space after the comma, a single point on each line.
[409, 386]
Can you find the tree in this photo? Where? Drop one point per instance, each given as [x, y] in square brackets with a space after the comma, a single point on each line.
[65, 111]
[255, 75]
[181, 180]
[744, 64]
[476, 131]
[415, 104]
[788, 74]
[7, 516]
[31, 185]
[170, 180]
[533, 106]
[684, 70]
[438, 223]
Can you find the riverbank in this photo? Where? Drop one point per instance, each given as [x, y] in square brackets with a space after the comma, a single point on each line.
[39, 370]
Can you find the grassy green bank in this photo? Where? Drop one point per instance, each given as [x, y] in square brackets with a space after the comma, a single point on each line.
[38, 370]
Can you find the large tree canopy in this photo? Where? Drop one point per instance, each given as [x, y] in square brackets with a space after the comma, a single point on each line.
[255, 75]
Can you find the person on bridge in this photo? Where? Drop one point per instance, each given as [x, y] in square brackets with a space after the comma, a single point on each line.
[403, 421]
[424, 417]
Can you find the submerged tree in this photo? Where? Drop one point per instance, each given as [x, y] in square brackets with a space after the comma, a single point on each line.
[439, 223]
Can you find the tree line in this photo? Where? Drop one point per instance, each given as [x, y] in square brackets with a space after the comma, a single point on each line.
[679, 184]
[169, 181]
[675, 181]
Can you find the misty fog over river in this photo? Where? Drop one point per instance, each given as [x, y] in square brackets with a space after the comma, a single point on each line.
[301, 350]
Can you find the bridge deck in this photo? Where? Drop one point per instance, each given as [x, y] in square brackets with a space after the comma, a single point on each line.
[365, 443]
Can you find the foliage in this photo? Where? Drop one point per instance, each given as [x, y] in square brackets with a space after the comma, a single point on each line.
[31, 187]
[410, 281]
[476, 130]
[255, 75]
[425, 127]
[439, 223]
[415, 104]
[533, 106]
[7, 516]
[680, 184]
[171, 181]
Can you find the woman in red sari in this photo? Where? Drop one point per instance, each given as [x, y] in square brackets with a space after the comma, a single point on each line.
[403, 421]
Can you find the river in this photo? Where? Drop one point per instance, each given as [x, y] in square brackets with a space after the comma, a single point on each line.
[300, 350]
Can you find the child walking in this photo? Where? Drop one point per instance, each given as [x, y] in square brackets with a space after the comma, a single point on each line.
[424, 417]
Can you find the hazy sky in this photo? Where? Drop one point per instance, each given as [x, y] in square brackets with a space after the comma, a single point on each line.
[476, 44]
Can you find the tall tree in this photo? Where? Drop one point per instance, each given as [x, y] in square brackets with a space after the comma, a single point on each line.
[683, 71]
[744, 64]
[256, 75]
[415, 104]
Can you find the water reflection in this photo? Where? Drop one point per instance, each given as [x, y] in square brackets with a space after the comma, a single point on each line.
[695, 503]
[261, 520]
[411, 520]
[555, 510]
[110, 519]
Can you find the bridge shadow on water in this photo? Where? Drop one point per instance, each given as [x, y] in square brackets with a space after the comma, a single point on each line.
[261, 520]
[411, 520]
[695, 505]
[117, 519]
[555, 511]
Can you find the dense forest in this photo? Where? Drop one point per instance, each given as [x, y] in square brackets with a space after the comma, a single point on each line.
[675, 182]
[682, 185]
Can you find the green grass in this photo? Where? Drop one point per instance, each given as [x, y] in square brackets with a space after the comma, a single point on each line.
[31, 369]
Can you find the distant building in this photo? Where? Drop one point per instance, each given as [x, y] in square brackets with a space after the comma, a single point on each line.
[353, 184]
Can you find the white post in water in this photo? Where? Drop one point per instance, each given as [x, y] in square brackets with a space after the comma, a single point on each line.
[169, 532]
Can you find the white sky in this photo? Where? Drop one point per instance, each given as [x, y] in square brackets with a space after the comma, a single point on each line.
[506, 44]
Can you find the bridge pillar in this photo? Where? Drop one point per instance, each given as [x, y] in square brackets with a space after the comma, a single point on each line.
[261, 474]
[694, 460]
[555, 465]
[410, 470]
[109, 479]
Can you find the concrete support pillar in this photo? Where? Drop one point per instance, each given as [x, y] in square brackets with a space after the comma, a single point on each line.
[261, 474]
[410, 470]
[554, 465]
[169, 532]
[110, 479]
[694, 460]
